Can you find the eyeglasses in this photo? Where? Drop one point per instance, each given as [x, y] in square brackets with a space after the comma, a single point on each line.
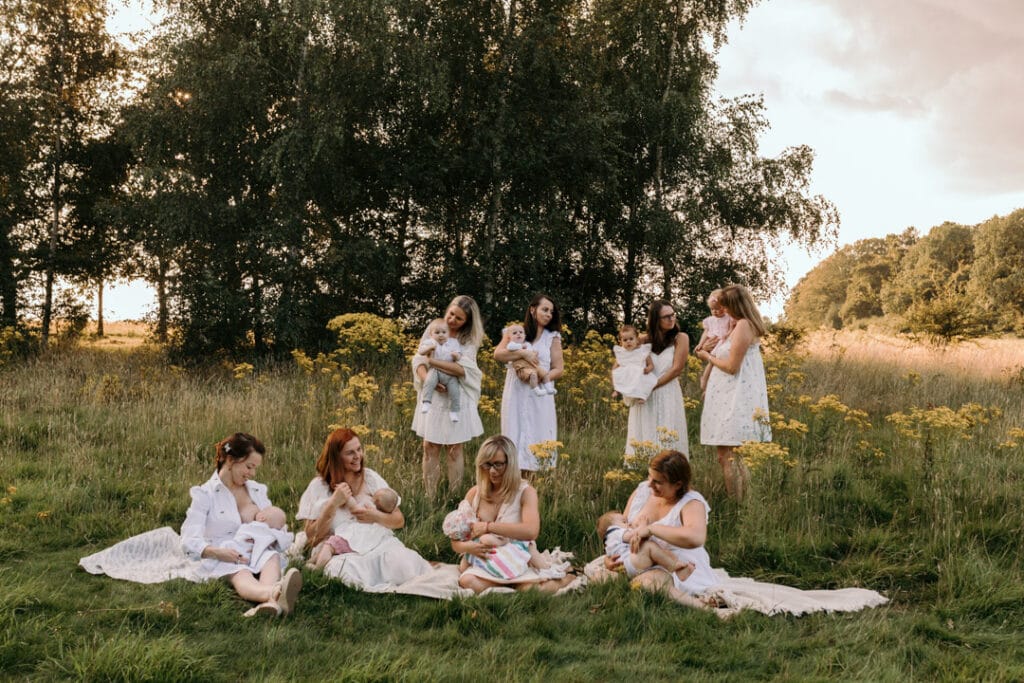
[668, 316]
[496, 466]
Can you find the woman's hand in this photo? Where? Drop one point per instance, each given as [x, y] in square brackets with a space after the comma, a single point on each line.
[640, 532]
[477, 529]
[479, 550]
[342, 492]
[612, 563]
[224, 555]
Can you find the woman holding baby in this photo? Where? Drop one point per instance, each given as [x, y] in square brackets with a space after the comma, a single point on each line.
[666, 511]
[505, 506]
[440, 424]
[528, 406]
[346, 506]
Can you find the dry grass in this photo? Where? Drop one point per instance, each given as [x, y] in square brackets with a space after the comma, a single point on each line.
[982, 358]
[121, 334]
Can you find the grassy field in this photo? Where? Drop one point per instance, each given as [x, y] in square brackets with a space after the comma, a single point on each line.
[896, 467]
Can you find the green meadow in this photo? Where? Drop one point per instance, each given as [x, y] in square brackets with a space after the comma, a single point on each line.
[894, 467]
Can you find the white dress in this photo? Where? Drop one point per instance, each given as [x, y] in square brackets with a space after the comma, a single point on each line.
[703, 576]
[374, 569]
[527, 418]
[629, 378]
[664, 408]
[731, 401]
[435, 425]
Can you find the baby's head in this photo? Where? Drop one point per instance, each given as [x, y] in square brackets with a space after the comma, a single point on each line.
[608, 520]
[457, 524]
[386, 500]
[439, 331]
[516, 333]
[714, 303]
[274, 517]
[628, 337]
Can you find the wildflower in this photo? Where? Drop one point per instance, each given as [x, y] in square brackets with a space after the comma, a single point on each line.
[385, 434]
[361, 388]
[303, 361]
[243, 370]
[43, 515]
[361, 430]
[758, 453]
[12, 490]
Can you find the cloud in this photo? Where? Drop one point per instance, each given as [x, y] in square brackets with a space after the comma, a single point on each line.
[957, 65]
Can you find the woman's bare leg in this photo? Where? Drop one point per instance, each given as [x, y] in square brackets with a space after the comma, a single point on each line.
[727, 460]
[253, 590]
[431, 467]
[475, 583]
[455, 468]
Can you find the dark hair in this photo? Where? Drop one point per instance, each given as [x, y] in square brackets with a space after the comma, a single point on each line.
[659, 340]
[238, 447]
[530, 325]
[674, 466]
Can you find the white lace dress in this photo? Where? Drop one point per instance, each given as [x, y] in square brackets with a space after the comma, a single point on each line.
[527, 418]
[732, 401]
[663, 408]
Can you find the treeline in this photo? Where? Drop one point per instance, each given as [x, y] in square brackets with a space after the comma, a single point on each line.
[268, 164]
[956, 281]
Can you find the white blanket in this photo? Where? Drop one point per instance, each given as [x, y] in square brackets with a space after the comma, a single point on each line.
[738, 593]
[156, 556]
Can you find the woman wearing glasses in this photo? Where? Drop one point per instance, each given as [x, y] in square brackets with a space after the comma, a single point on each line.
[505, 505]
[661, 419]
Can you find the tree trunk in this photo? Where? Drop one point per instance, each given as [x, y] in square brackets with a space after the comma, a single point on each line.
[161, 301]
[258, 328]
[54, 225]
[99, 309]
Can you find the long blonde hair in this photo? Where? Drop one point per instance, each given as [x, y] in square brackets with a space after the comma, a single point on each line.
[473, 331]
[512, 478]
[738, 301]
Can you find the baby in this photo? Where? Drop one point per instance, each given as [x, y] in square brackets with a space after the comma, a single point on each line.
[268, 531]
[528, 371]
[615, 530]
[717, 327]
[510, 557]
[441, 347]
[632, 374]
[385, 500]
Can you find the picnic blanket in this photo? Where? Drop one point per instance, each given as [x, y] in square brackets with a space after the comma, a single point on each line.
[738, 593]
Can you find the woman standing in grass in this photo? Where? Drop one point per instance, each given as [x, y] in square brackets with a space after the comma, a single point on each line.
[508, 506]
[384, 562]
[666, 510]
[219, 507]
[436, 427]
[526, 417]
[661, 419]
[736, 400]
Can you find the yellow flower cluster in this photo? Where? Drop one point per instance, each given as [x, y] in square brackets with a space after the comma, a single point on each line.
[757, 454]
[367, 336]
[545, 452]
[242, 370]
[360, 388]
[922, 422]
[612, 476]
[1014, 438]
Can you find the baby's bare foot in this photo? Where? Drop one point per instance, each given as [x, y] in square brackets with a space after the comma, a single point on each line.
[684, 571]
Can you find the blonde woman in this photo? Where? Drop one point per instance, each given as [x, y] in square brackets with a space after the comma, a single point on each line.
[506, 505]
[436, 426]
[736, 400]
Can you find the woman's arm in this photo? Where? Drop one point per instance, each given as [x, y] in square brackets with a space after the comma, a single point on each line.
[503, 355]
[391, 520]
[557, 366]
[742, 337]
[320, 528]
[692, 534]
[527, 529]
[682, 350]
[448, 367]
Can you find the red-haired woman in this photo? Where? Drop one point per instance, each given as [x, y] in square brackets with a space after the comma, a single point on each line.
[229, 499]
[380, 560]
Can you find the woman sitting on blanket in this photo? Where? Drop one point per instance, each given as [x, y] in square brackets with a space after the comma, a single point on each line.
[219, 507]
[505, 505]
[367, 555]
[667, 511]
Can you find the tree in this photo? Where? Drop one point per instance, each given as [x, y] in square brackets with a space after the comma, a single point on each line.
[997, 275]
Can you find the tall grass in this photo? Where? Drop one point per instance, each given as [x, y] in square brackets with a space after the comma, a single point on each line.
[99, 444]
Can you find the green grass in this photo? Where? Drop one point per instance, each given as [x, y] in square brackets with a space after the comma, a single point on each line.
[97, 445]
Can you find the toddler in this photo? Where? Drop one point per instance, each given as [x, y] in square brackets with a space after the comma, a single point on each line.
[268, 531]
[385, 500]
[510, 557]
[717, 327]
[632, 374]
[528, 371]
[615, 530]
[441, 347]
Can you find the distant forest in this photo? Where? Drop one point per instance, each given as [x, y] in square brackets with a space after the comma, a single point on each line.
[269, 164]
[955, 281]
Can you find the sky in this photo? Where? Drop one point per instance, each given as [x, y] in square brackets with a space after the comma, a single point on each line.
[912, 108]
